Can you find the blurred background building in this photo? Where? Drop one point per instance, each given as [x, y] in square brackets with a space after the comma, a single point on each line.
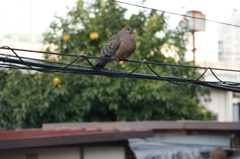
[218, 47]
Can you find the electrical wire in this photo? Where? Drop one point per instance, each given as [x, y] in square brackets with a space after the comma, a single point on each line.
[178, 14]
[92, 57]
[33, 64]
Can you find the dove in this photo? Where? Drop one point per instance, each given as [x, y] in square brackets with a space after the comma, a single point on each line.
[120, 46]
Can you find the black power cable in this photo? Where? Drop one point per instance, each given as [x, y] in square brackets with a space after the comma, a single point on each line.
[18, 62]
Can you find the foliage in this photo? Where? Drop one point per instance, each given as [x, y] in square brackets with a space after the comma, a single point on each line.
[28, 100]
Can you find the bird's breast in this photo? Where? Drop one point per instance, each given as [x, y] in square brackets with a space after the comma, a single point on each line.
[127, 47]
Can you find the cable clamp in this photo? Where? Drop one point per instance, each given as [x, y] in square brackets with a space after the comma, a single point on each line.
[6, 59]
[109, 72]
[82, 55]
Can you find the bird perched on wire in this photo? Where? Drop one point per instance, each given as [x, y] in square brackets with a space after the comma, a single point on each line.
[120, 46]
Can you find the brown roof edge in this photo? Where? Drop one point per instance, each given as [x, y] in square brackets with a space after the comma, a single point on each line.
[149, 125]
[60, 140]
[221, 126]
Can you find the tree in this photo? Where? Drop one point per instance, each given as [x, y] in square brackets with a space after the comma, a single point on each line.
[32, 99]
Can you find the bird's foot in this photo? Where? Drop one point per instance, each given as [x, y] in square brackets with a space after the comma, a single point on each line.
[122, 61]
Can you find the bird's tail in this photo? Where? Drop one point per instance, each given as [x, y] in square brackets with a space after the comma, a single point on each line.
[101, 64]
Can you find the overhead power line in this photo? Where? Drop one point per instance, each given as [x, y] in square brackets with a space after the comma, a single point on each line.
[26, 63]
[178, 14]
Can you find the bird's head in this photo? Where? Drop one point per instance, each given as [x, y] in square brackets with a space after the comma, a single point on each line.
[128, 30]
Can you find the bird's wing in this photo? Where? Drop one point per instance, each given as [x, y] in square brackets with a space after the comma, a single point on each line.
[111, 46]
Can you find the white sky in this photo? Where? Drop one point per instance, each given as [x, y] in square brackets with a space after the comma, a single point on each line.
[15, 14]
[15, 18]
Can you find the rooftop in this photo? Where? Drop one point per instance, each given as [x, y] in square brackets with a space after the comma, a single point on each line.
[60, 134]
[149, 125]
[27, 138]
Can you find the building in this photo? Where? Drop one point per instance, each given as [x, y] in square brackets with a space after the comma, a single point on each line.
[224, 104]
[220, 50]
[228, 40]
[103, 140]
[69, 141]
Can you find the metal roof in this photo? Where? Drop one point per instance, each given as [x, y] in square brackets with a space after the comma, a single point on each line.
[27, 138]
[59, 134]
[151, 125]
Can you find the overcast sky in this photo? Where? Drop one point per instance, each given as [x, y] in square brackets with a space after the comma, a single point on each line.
[15, 14]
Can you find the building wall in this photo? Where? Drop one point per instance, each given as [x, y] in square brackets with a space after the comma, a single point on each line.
[96, 152]
[59, 153]
[220, 103]
[229, 38]
[116, 152]
[42, 153]
[218, 46]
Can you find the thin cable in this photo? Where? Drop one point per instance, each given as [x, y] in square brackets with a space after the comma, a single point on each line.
[20, 58]
[134, 70]
[187, 66]
[41, 67]
[49, 71]
[144, 61]
[186, 83]
[34, 51]
[154, 63]
[140, 6]
[91, 66]
[223, 86]
[47, 61]
[215, 76]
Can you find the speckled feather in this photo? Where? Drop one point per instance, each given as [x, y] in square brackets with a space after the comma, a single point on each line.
[120, 46]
